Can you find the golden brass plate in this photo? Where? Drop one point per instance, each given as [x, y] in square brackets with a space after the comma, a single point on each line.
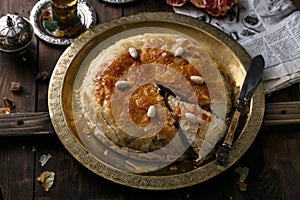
[72, 66]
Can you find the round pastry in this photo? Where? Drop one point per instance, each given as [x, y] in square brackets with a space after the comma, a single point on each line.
[156, 95]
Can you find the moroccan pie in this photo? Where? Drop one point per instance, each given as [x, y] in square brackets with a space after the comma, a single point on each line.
[158, 95]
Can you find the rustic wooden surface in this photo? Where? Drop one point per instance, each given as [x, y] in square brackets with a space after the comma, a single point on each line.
[273, 159]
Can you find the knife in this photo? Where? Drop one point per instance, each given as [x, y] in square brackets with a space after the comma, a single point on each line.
[251, 81]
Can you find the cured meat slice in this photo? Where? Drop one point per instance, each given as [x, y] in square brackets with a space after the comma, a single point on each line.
[226, 3]
[214, 7]
[177, 2]
[204, 3]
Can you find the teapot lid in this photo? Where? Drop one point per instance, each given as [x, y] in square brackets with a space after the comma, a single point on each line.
[16, 33]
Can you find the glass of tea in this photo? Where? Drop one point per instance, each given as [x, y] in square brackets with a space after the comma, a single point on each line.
[65, 14]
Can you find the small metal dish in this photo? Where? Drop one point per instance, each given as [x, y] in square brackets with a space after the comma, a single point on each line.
[86, 14]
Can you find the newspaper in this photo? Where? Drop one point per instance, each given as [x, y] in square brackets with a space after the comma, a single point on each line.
[270, 28]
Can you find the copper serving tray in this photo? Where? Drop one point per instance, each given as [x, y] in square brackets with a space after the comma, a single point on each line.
[72, 66]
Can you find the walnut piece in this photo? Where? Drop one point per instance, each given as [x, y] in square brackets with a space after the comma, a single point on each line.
[15, 87]
[47, 179]
[8, 103]
[4, 111]
[243, 172]
[44, 159]
[42, 76]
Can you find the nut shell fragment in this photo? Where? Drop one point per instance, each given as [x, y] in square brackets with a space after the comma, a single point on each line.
[15, 87]
[47, 179]
[8, 103]
[4, 110]
[243, 172]
[42, 76]
[242, 186]
[44, 159]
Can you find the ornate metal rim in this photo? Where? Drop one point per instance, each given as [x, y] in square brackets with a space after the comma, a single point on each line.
[79, 152]
[87, 13]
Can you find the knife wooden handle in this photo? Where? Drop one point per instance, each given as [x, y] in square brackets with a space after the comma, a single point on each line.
[232, 128]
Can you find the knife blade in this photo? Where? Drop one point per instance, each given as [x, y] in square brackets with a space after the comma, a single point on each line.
[250, 83]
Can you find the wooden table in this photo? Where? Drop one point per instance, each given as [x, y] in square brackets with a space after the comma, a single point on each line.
[273, 159]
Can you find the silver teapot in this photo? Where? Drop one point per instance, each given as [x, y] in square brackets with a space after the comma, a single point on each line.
[16, 33]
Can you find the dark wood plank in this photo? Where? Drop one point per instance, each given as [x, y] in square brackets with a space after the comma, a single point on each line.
[106, 11]
[146, 6]
[273, 166]
[282, 113]
[48, 56]
[19, 68]
[26, 124]
[297, 3]
[17, 172]
[291, 93]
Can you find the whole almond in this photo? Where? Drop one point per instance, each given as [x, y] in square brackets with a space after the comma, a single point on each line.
[122, 84]
[179, 51]
[132, 51]
[151, 111]
[191, 117]
[197, 79]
